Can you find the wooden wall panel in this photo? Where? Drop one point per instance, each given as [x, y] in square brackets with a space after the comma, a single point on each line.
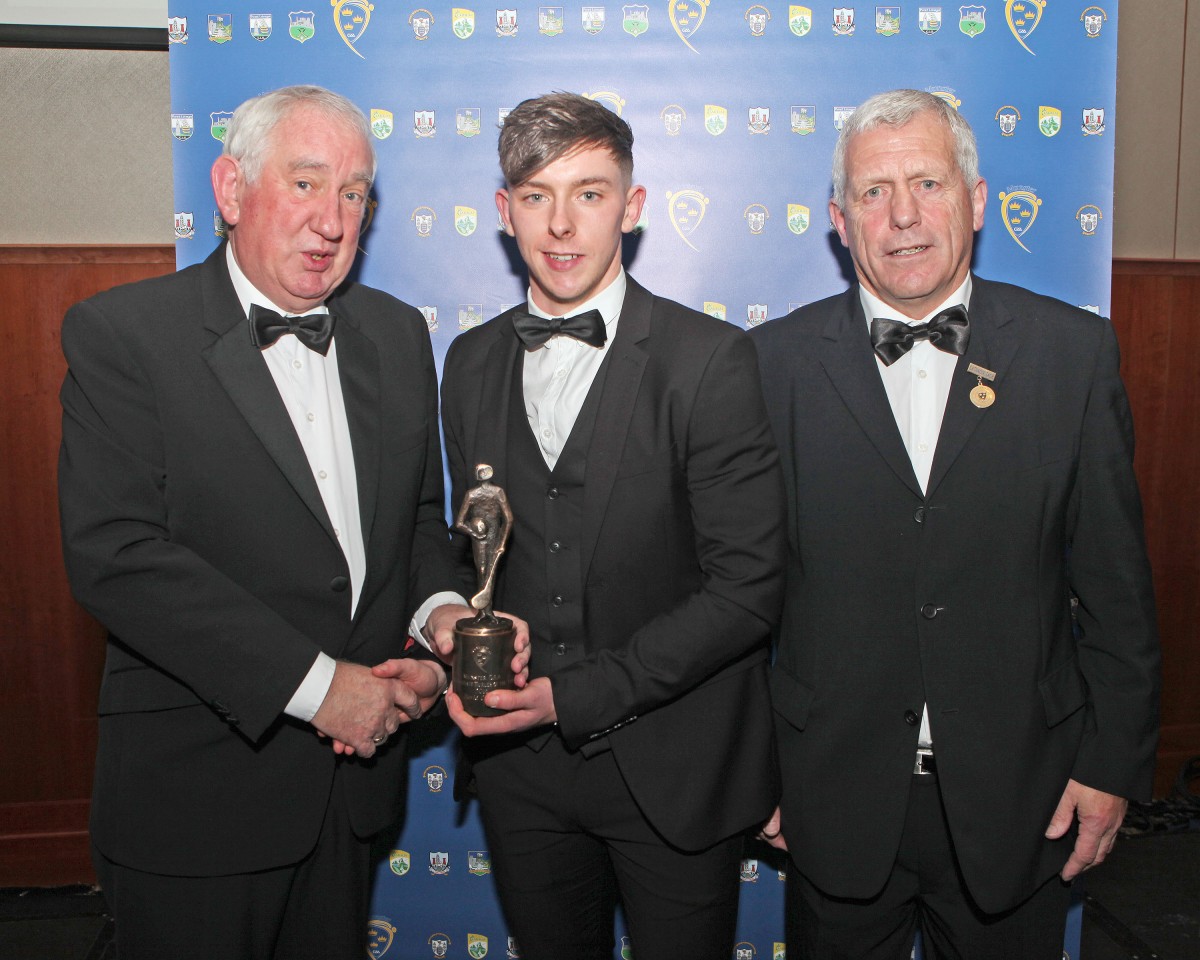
[51, 652]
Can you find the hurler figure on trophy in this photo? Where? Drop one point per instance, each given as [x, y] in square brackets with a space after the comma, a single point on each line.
[484, 643]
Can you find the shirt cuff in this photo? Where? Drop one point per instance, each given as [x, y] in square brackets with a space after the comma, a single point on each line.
[309, 696]
[416, 627]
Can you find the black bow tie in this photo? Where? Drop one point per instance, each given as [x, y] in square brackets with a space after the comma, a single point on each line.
[534, 331]
[315, 331]
[947, 331]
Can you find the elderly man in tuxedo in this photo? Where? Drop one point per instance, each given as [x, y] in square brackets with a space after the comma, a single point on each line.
[967, 674]
[646, 553]
[251, 495]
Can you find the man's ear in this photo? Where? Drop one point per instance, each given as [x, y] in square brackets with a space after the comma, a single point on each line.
[226, 184]
[635, 199]
[502, 207]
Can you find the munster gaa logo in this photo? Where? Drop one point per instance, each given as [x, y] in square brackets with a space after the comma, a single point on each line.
[1023, 16]
[1049, 120]
[352, 17]
[462, 22]
[302, 25]
[687, 209]
[635, 19]
[929, 19]
[687, 17]
[1019, 209]
[972, 20]
[380, 935]
[799, 20]
[716, 119]
[177, 29]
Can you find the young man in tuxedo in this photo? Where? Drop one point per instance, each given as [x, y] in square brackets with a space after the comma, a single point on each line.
[251, 496]
[956, 740]
[646, 553]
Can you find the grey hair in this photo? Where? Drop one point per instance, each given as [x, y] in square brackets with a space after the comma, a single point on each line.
[894, 109]
[249, 132]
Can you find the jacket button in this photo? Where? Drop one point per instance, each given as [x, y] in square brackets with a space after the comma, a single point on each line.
[557, 601]
[338, 584]
[560, 648]
[552, 493]
[555, 546]
[931, 610]
[919, 516]
[910, 718]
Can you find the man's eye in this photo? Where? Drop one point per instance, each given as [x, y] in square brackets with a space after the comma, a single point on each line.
[874, 192]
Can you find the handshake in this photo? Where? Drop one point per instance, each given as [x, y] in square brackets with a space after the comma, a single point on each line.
[366, 705]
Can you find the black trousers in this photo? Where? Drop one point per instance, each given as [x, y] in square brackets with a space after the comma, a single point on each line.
[925, 889]
[312, 910]
[568, 842]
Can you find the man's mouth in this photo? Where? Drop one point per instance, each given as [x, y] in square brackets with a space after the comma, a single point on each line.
[908, 251]
[563, 257]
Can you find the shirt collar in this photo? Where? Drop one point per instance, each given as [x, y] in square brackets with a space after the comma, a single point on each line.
[874, 307]
[608, 301]
[248, 293]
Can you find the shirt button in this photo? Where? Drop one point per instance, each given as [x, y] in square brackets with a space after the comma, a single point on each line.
[552, 493]
[923, 447]
[297, 364]
[555, 546]
[557, 601]
[310, 417]
[547, 433]
[322, 474]
[930, 610]
[922, 374]
[337, 533]
[910, 718]
[560, 649]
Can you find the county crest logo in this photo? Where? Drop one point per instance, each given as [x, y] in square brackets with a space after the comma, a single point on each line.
[840, 116]
[302, 25]
[1023, 17]
[804, 119]
[462, 22]
[466, 219]
[1093, 121]
[716, 119]
[479, 864]
[672, 116]
[759, 119]
[626, 951]
[425, 123]
[1008, 117]
[220, 227]
[185, 225]
[550, 21]
[468, 121]
[843, 21]
[744, 951]
[756, 216]
[714, 309]
[439, 863]
[420, 20]
[514, 949]
[400, 861]
[260, 26]
[380, 935]
[352, 17]
[477, 946]
[1089, 217]
[635, 19]
[177, 30]
[929, 20]
[1093, 19]
[431, 318]
[506, 23]
[183, 125]
[423, 219]
[972, 20]
[799, 20]
[757, 17]
[434, 776]
[756, 316]
[593, 20]
[220, 27]
[748, 873]
[219, 123]
[1049, 120]
[469, 315]
[1019, 210]
[887, 21]
[778, 951]
[439, 943]
[798, 218]
[382, 123]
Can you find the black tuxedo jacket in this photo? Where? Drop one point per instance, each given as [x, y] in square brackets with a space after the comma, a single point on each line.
[960, 597]
[193, 529]
[682, 557]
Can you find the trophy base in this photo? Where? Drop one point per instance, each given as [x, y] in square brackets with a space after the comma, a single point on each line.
[483, 648]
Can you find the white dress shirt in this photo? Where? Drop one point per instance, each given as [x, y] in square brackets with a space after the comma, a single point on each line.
[918, 385]
[558, 375]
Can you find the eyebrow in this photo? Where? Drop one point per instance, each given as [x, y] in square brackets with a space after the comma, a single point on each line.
[308, 163]
[582, 182]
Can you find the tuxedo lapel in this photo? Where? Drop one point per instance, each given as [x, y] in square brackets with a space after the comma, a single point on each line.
[626, 364]
[849, 362]
[500, 369]
[243, 374]
[993, 346]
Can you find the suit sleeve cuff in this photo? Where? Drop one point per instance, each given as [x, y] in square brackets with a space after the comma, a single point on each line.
[416, 627]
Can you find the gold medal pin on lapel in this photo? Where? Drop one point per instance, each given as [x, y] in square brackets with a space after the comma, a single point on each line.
[982, 395]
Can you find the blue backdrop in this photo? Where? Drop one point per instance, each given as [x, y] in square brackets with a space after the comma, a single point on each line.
[735, 108]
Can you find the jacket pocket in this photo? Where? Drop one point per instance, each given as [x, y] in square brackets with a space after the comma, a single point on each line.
[1063, 692]
[790, 698]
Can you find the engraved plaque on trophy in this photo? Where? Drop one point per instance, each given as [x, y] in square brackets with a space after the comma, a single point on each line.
[483, 644]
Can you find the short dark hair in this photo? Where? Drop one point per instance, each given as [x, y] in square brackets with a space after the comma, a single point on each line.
[547, 128]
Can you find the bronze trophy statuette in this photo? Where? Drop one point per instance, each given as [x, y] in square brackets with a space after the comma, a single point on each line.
[483, 644]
